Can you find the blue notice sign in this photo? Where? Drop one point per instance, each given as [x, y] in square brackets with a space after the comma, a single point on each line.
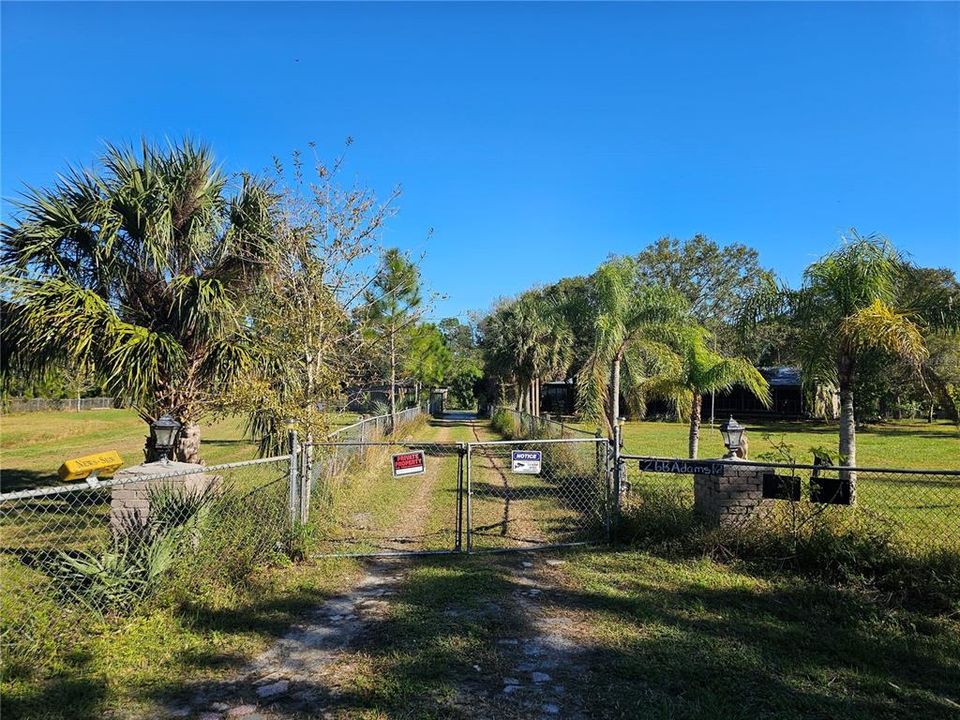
[526, 462]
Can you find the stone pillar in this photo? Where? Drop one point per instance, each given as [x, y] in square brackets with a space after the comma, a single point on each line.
[732, 497]
[133, 498]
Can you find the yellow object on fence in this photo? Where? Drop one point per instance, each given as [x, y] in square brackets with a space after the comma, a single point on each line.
[105, 463]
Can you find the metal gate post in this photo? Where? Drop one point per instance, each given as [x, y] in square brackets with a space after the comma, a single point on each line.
[617, 474]
[304, 484]
[461, 452]
[469, 501]
[294, 484]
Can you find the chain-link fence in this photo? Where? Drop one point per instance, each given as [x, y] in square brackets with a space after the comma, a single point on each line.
[17, 405]
[917, 510]
[531, 493]
[388, 497]
[101, 548]
[543, 427]
[346, 445]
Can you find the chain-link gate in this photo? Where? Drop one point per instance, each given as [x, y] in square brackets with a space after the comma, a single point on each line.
[385, 498]
[535, 493]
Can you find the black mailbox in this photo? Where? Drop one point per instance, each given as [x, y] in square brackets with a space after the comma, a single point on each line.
[833, 491]
[781, 487]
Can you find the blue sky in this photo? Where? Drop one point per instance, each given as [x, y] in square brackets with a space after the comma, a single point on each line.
[535, 139]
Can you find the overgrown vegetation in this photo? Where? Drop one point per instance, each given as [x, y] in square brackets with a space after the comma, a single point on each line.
[503, 423]
[193, 546]
[142, 551]
[855, 550]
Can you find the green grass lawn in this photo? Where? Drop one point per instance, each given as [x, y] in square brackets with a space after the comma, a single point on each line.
[116, 665]
[34, 445]
[643, 637]
[907, 444]
[922, 510]
[646, 636]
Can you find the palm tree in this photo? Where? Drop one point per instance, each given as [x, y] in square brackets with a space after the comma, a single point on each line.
[139, 270]
[701, 371]
[846, 310]
[634, 329]
[544, 344]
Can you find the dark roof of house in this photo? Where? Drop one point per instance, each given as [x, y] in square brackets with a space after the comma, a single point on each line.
[781, 376]
[776, 376]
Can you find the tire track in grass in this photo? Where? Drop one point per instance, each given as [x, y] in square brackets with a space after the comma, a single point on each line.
[412, 528]
[296, 677]
[517, 527]
[321, 667]
[382, 513]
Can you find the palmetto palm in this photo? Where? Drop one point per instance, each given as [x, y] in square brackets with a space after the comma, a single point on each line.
[698, 372]
[140, 270]
[634, 330]
[845, 310]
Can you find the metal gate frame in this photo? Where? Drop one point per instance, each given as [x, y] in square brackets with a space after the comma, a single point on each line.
[304, 474]
[309, 474]
[609, 465]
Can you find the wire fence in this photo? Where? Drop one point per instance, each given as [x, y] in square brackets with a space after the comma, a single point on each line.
[540, 492]
[98, 549]
[917, 510]
[348, 441]
[93, 549]
[20, 405]
[543, 427]
[367, 507]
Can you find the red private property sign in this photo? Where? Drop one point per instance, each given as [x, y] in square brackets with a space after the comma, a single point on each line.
[408, 463]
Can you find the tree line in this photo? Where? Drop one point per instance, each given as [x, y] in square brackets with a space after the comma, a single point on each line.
[158, 278]
[682, 319]
[179, 288]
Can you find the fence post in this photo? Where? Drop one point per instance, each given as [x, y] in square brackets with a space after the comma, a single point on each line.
[469, 503]
[363, 433]
[294, 484]
[617, 474]
[458, 544]
[304, 484]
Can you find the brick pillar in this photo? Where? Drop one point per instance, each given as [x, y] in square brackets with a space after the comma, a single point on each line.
[133, 498]
[732, 497]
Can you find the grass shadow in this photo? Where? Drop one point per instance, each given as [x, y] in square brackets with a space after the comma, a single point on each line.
[14, 479]
[638, 638]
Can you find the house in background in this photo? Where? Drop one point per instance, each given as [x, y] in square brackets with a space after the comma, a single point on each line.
[785, 390]
[560, 397]
[364, 398]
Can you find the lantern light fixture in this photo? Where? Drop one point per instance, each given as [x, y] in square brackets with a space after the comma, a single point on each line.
[732, 433]
[165, 429]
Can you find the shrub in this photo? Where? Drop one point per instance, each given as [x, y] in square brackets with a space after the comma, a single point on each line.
[141, 553]
[244, 530]
[502, 421]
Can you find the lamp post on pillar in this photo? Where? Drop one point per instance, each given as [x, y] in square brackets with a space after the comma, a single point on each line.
[165, 429]
[733, 434]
